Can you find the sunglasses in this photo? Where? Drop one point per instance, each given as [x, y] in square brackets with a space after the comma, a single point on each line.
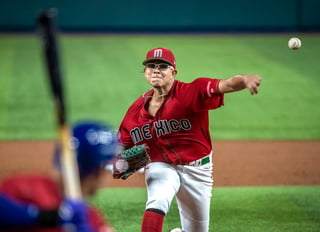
[161, 66]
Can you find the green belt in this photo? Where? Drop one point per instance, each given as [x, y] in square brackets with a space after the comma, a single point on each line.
[201, 161]
[205, 160]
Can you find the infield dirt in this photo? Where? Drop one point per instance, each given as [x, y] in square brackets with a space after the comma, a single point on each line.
[236, 163]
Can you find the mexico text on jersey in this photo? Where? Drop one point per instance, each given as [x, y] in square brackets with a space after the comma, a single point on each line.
[178, 133]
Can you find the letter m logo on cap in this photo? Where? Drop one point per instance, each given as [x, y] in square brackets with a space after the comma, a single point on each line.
[157, 53]
[161, 54]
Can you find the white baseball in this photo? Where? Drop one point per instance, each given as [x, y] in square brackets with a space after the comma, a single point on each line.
[121, 165]
[294, 43]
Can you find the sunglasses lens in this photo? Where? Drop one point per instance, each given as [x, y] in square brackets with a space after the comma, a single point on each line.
[151, 65]
[163, 66]
[159, 66]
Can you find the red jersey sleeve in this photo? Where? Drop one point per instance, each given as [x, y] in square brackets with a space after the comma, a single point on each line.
[203, 94]
[38, 190]
[129, 121]
[124, 135]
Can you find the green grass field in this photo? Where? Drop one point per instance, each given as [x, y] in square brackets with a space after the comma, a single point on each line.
[103, 76]
[254, 209]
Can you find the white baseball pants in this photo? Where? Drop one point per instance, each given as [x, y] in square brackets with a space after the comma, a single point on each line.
[192, 186]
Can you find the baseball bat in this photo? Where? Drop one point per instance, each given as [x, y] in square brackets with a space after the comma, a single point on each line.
[69, 167]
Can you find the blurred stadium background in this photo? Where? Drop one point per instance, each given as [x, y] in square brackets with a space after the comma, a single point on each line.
[167, 16]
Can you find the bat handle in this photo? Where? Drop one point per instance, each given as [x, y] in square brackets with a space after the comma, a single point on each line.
[70, 171]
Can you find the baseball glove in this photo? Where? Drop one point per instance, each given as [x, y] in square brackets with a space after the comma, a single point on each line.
[129, 161]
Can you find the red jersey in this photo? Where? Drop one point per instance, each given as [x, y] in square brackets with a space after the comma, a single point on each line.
[44, 193]
[179, 131]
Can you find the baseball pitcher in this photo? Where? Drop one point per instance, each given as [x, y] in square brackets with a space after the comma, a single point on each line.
[172, 120]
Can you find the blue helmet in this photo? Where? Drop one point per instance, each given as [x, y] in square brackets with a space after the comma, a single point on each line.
[95, 145]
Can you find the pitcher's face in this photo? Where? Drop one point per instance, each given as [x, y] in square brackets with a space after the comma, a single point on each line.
[159, 74]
